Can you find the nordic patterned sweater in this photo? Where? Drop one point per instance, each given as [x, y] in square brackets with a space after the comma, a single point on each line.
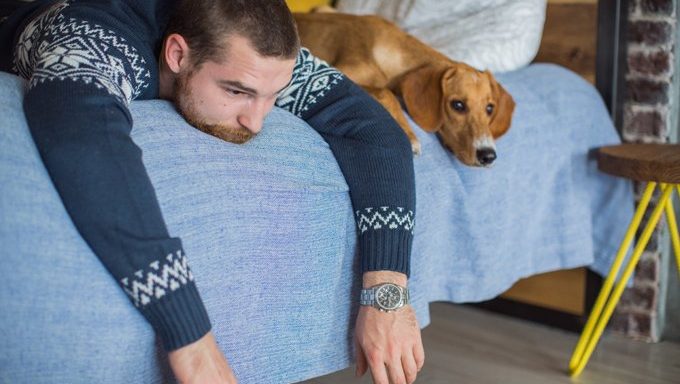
[86, 60]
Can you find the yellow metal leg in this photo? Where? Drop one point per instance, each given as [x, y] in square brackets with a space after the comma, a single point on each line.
[673, 228]
[594, 334]
[611, 276]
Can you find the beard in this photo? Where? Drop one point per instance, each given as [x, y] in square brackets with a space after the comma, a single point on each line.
[186, 108]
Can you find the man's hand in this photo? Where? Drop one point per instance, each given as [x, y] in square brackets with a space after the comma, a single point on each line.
[388, 343]
[201, 362]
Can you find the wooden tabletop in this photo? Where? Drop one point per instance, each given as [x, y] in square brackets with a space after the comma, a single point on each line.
[642, 162]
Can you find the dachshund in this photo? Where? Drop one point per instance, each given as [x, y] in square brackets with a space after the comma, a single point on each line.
[467, 108]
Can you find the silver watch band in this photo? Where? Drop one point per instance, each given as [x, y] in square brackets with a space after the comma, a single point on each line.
[367, 296]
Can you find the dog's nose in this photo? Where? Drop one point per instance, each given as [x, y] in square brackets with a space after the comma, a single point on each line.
[486, 156]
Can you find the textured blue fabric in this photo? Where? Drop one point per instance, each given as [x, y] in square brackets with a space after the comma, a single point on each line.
[270, 234]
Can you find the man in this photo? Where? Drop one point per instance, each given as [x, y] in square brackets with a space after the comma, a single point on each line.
[224, 63]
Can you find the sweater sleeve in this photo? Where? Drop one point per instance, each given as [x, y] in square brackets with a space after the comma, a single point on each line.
[373, 153]
[80, 84]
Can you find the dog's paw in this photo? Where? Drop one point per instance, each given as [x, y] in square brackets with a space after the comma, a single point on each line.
[416, 148]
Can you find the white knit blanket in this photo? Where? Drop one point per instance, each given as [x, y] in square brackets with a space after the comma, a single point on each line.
[499, 35]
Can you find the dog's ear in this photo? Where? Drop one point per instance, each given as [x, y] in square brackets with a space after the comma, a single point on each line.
[505, 105]
[421, 89]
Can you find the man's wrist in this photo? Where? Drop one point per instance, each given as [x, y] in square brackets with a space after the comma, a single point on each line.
[378, 277]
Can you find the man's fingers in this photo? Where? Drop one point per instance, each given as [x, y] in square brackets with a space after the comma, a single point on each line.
[362, 365]
[419, 353]
[378, 370]
[410, 367]
[396, 372]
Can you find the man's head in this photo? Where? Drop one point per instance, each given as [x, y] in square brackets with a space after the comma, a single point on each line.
[223, 63]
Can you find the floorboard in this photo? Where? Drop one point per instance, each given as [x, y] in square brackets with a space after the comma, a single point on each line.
[469, 345]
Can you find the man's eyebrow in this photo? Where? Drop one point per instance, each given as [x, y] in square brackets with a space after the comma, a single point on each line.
[241, 87]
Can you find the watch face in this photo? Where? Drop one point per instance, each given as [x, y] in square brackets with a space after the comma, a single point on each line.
[389, 297]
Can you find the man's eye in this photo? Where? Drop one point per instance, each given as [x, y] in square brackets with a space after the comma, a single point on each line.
[233, 92]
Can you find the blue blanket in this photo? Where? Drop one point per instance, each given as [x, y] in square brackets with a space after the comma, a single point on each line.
[270, 235]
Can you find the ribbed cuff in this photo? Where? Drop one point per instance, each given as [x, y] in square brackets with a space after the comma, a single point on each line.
[386, 249]
[178, 318]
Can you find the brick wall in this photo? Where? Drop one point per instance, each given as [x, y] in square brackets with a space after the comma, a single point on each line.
[647, 117]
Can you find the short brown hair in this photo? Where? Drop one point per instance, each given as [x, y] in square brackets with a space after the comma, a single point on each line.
[204, 24]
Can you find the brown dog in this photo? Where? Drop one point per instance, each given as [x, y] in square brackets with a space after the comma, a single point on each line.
[467, 108]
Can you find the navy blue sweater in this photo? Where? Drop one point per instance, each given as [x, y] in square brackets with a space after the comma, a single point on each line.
[86, 60]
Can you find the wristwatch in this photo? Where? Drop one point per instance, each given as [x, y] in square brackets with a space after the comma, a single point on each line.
[386, 297]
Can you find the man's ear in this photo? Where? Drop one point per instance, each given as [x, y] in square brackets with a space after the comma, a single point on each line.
[176, 52]
[421, 89]
[505, 105]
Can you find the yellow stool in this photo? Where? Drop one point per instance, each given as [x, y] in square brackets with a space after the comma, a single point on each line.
[658, 165]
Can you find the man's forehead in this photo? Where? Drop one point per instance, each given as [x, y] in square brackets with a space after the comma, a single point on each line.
[239, 49]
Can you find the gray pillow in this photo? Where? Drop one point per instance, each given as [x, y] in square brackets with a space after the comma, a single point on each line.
[498, 35]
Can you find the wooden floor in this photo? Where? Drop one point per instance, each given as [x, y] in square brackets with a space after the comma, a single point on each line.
[465, 345]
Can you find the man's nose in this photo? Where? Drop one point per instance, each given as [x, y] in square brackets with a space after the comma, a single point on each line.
[252, 116]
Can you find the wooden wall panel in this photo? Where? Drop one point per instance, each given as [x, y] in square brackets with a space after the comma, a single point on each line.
[570, 35]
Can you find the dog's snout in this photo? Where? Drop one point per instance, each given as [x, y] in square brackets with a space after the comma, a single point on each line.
[486, 156]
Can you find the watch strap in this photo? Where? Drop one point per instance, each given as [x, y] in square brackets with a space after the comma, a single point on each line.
[367, 296]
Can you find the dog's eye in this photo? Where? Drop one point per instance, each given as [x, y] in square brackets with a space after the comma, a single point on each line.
[489, 109]
[458, 105]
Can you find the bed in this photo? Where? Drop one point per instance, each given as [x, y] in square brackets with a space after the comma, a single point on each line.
[273, 244]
